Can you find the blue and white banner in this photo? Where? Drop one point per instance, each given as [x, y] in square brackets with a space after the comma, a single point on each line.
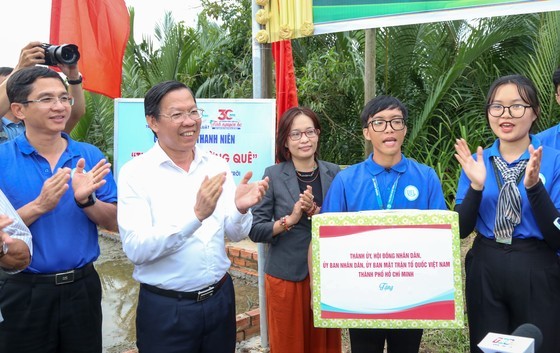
[242, 131]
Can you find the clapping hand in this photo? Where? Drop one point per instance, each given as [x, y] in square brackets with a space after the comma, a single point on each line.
[18, 256]
[52, 190]
[473, 168]
[247, 195]
[533, 167]
[85, 183]
[208, 195]
[307, 204]
[4, 222]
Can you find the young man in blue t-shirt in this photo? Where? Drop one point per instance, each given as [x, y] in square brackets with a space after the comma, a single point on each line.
[385, 180]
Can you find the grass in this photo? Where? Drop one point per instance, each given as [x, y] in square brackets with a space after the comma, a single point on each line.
[449, 341]
[433, 341]
[445, 341]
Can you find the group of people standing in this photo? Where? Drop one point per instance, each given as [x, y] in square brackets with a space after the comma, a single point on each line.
[508, 194]
[177, 203]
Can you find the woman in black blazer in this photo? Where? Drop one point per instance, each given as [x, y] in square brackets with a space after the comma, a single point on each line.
[296, 190]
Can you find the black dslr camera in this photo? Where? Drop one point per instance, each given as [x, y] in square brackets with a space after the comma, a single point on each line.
[61, 54]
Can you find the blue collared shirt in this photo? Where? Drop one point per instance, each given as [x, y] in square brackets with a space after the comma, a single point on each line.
[549, 174]
[11, 130]
[550, 137]
[63, 238]
[353, 189]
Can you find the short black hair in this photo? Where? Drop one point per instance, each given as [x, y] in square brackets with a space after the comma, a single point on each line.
[20, 83]
[6, 71]
[556, 79]
[155, 94]
[379, 104]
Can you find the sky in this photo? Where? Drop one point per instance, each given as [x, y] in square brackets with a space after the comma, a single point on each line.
[24, 21]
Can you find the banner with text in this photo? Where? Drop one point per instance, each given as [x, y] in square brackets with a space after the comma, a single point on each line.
[387, 269]
[242, 131]
[345, 15]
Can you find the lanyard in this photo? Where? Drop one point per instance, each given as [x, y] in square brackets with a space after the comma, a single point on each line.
[391, 195]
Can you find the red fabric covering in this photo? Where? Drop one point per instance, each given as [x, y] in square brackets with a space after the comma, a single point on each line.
[100, 29]
[290, 319]
[286, 91]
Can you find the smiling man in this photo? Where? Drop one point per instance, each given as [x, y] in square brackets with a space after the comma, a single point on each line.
[176, 204]
[385, 180]
[54, 305]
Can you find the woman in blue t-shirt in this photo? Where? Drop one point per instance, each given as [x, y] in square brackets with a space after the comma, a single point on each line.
[509, 194]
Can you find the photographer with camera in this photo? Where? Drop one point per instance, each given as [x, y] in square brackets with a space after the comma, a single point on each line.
[65, 57]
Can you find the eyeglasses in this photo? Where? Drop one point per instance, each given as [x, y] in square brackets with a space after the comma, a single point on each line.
[516, 111]
[195, 115]
[379, 125]
[296, 135]
[50, 101]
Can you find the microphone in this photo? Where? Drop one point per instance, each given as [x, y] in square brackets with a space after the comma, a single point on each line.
[530, 331]
[527, 338]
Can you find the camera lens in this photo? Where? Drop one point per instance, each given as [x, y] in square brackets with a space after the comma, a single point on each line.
[67, 54]
[61, 54]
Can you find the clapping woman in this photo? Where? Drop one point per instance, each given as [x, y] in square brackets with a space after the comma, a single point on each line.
[297, 186]
[509, 194]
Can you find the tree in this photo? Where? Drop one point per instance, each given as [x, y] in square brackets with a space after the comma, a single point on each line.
[441, 71]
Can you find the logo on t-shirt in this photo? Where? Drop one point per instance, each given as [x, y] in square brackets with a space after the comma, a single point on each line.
[543, 179]
[411, 193]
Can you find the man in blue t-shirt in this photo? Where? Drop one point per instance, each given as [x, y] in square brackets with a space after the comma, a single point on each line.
[385, 180]
[10, 127]
[551, 136]
[63, 190]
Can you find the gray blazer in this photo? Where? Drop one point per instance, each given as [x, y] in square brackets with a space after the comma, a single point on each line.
[287, 255]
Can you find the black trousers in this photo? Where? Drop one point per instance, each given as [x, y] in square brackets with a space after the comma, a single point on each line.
[49, 318]
[509, 285]
[373, 340]
[172, 325]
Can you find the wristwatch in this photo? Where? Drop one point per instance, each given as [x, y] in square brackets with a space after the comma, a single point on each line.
[4, 249]
[90, 201]
[75, 82]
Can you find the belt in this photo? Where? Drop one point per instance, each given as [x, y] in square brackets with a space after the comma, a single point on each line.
[198, 295]
[52, 278]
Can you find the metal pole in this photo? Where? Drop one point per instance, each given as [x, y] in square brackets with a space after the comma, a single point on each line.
[262, 88]
[369, 76]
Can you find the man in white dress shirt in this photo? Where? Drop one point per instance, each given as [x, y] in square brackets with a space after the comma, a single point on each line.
[15, 240]
[176, 203]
